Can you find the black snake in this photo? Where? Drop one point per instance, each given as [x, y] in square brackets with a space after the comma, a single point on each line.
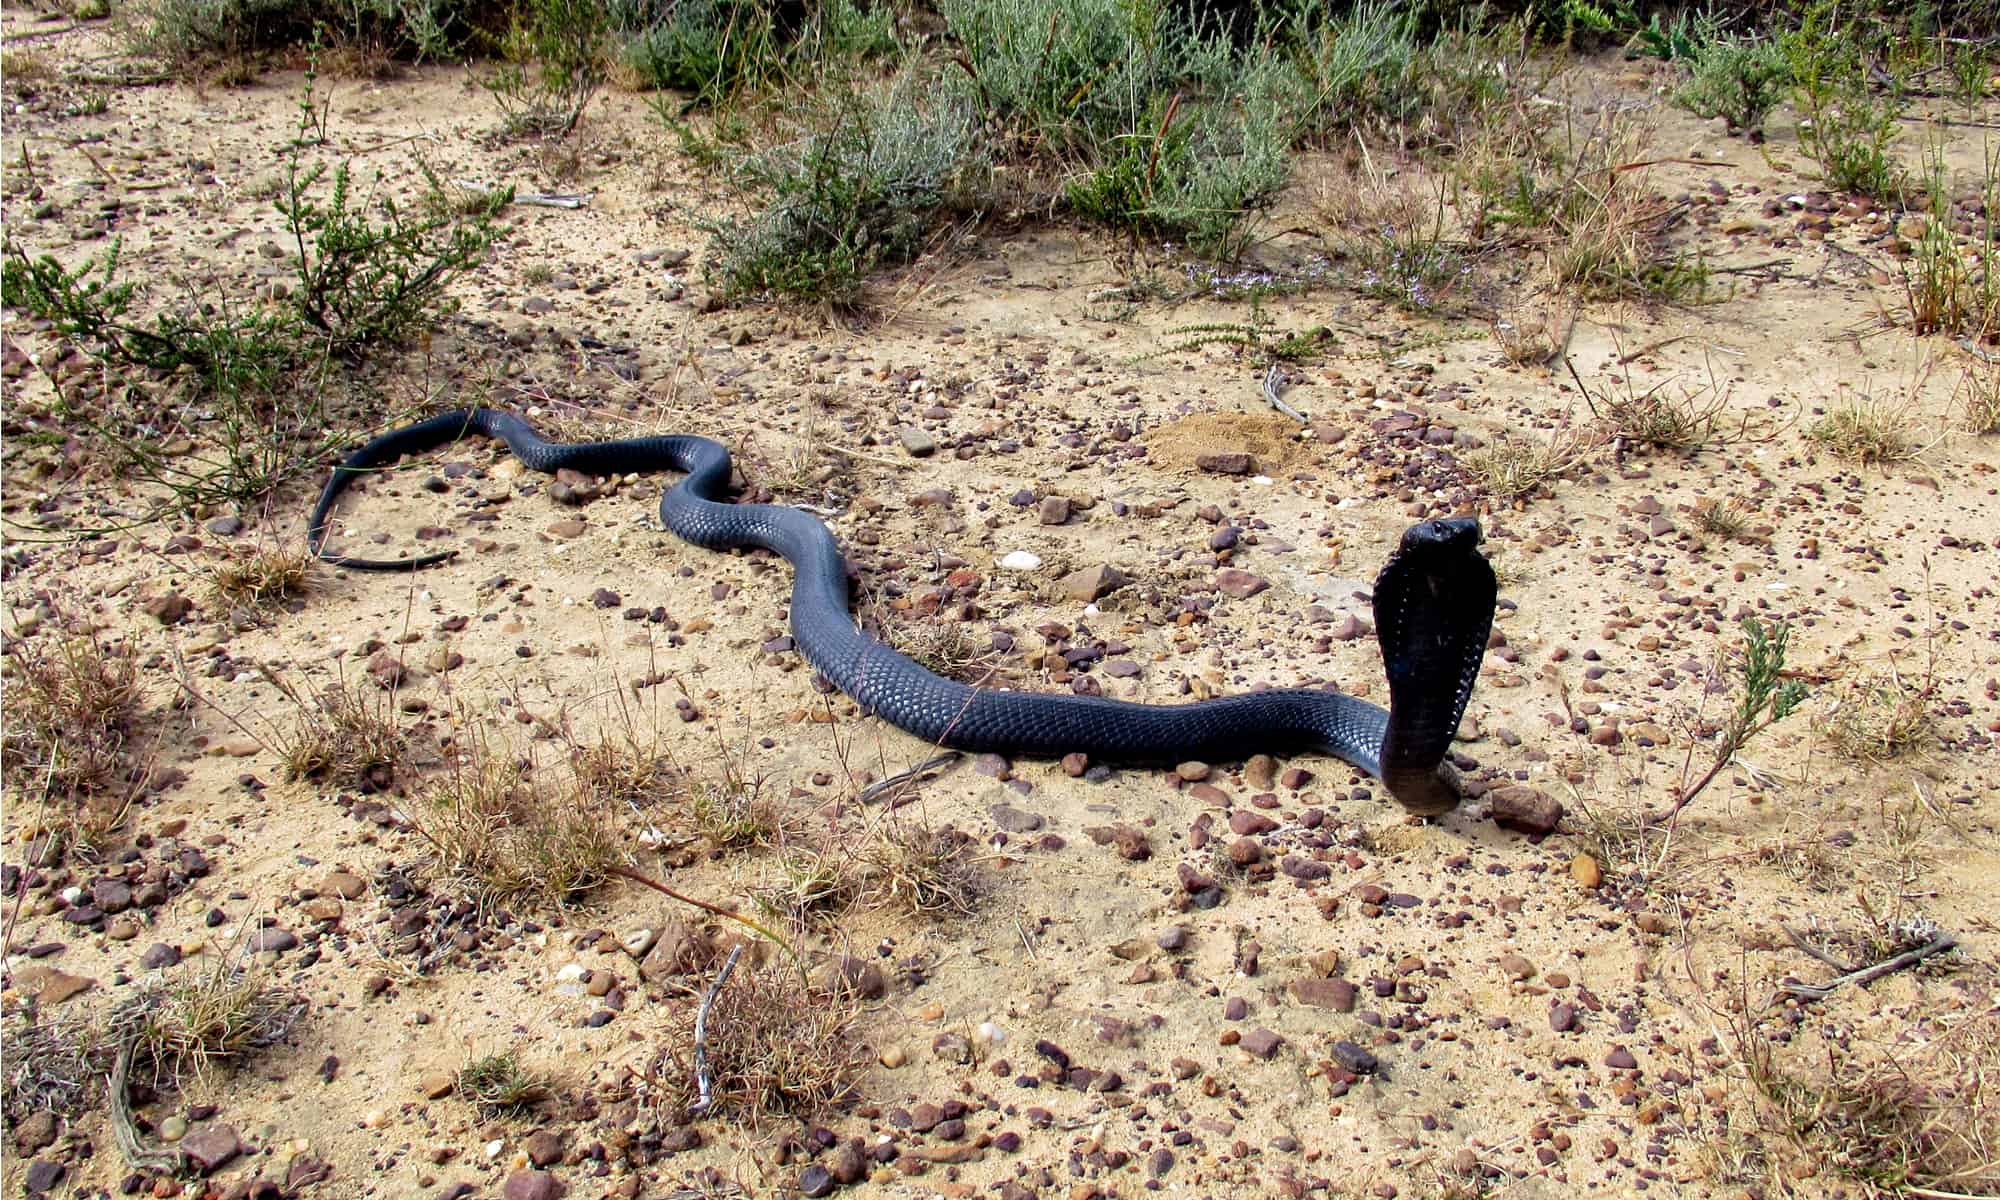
[1434, 604]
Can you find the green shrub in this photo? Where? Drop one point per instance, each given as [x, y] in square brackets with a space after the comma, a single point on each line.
[717, 48]
[1738, 79]
[198, 33]
[363, 284]
[708, 47]
[555, 53]
[1845, 125]
[1360, 64]
[1076, 75]
[863, 193]
[1198, 170]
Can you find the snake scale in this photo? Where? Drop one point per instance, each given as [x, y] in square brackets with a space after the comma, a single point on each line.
[1433, 601]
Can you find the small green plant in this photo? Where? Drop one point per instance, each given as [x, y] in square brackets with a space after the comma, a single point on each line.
[1763, 698]
[363, 284]
[712, 48]
[1950, 288]
[1411, 266]
[554, 52]
[499, 1085]
[1355, 66]
[1848, 128]
[864, 193]
[1740, 79]
[225, 353]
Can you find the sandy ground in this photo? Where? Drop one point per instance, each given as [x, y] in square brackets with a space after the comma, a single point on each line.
[1539, 1025]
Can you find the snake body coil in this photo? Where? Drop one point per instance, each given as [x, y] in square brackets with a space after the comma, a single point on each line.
[1434, 605]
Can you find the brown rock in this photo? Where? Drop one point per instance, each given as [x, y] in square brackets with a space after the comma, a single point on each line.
[1584, 869]
[532, 1185]
[1054, 510]
[1230, 462]
[1336, 994]
[1092, 583]
[1261, 1043]
[210, 1148]
[1526, 810]
[1238, 583]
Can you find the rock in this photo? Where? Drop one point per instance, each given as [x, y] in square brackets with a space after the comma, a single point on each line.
[1355, 1059]
[270, 938]
[1261, 771]
[159, 956]
[1054, 510]
[1261, 1043]
[47, 985]
[210, 1148]
[1192, 772]
[1307, 870]
[848, 1162]
[916, 442]
[1091, 583]
[1229, 462]
[42, 1176]
[1621, 1059]
[1130, 841]
[169, 609]
[343, 884]
[1336, 994]
[1516, 968]
[1239, 584]
[1020, 560]
[436, 1085]
[673, 952]
[36, 1130]
[1584, 869]
[1246, 852]
[532, 1185]
[1246, 822]
[816, 1181]
[1526, 810]
[543, 1147]
[111, 895]
[636, 942]
[1014, 820]
[860, 976]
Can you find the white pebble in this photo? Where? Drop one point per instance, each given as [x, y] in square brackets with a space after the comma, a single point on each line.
[1021, 560]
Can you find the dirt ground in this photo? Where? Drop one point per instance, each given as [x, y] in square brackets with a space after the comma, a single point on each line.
[1372, 1005]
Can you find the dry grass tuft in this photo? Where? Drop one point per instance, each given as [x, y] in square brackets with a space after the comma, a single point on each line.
[492, 836]
[730, 809]
[268, 575]
[1865, 431]
[1979, 400]
[1728, 520]
[776, 1045]
[183, 1027]
[1514, 470]
[922, 870]
[346, 735]
[71, 705]
[1921, 1113]
[625, 770]
[1678, 415]
[167, 1033]
[498, 1085]
[1882, 716]
[814, 886]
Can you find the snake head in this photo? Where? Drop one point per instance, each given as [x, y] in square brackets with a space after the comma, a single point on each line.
[1449, 534]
